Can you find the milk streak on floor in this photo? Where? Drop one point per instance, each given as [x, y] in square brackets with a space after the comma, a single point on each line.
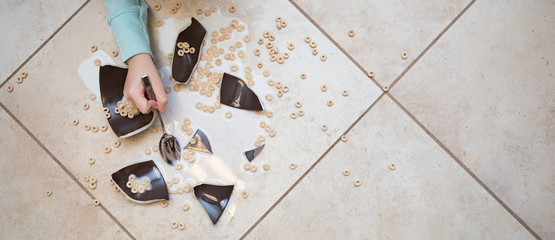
[468, 123]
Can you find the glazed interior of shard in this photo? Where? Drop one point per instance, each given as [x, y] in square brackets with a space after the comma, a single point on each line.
[183, 66]
[199, 142]
[111, 81]
[235, 93]
[214, 199]
[142, 182]
[253, 153]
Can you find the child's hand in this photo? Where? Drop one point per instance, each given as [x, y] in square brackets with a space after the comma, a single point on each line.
[140, 65]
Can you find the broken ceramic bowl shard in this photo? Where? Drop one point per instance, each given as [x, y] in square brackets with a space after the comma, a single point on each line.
[141, 182]
[199, 142]
[253, 153]
[235, 93]
[184, 66]
[112, 80]
[214, 199]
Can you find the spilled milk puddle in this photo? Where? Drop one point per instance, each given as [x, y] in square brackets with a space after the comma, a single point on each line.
[195, 106]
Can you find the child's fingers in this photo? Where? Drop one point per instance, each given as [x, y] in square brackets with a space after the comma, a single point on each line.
[158, 88]
[144, 105]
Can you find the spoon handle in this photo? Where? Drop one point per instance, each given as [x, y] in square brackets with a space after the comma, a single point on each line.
[151, 96]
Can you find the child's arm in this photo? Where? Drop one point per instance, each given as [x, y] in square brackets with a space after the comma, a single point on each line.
[128, 20]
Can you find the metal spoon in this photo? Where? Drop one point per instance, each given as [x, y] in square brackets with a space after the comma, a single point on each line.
[169, 146]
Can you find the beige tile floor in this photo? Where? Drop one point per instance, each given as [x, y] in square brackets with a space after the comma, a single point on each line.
[468, 123]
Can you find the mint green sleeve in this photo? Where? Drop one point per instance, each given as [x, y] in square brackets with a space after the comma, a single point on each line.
[128, 20]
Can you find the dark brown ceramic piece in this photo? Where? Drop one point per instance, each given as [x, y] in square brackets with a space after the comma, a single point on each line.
[201, 142]
[214, 199]
[253, 153]
[184, 66]
[112, 81]
[143, 170]
[235, 93]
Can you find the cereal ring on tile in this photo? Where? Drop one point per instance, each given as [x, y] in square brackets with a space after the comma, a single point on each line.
[324, 127]
[74, 121]
[96, 202]
[392, 166]
[351, 33]
[292, 166]
[307, 39]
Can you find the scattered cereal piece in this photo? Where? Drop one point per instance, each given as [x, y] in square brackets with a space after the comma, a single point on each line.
[266, 166]
[24, 75]
[247, 166]
[97, 62]
[269, 97]
[9, 88]
[371, 74]
[307, 39]
[323, 58]
[86, 106]
[324, 88]
[48, 193]
[292, 166]
[117, 143]
[298, 104]
[245, 194]
[345, 93]
[91, 161]
[232, 9]
[257, 52]
[358, 183]
[285, 89]
[19, 79]
[181, 226]
[94, 129]
[199, 10]
[259, 65]
[392, 166]
[313, 44]
[404, 55]
[107, 150]
[303, 76]
[324, 127]
[159, 23]
[165, 203]
[157, 7]
[74, 121]
[174, 224]
[293, 115]
[114, 53]
[344, 138]
[178, 5]
[385, 88]
[87, 127]
[228, 114]
[291, 46]
[330, 103]
[96, 202]
[186, 207]
[254, 168]
[315, 52]
[346, 173]
[301, 113]
[94, 48]
[173, 10]
[351, 33]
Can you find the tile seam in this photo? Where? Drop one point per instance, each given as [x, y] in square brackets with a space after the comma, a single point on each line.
[337, 141]
[335, 43]
[44, 43]
[73, 178]
[409, 67]
[466, 169]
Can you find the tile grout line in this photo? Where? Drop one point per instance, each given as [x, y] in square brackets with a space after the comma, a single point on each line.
[64, 168]
[430, 45]
[334, 42]
[338, 140]
[44, 43]
[465, 168]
